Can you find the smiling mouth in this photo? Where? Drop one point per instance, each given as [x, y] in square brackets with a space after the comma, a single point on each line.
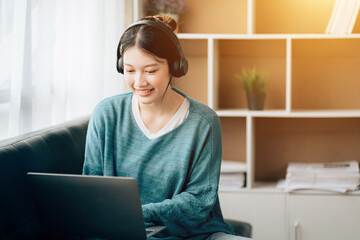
[144, 92]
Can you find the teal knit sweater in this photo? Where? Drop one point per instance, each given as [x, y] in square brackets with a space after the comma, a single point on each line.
[177, 173]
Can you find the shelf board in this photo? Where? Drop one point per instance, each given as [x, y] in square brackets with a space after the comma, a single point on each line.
[264, 36]
[245, 113]
[270, 187]
[258, 187]
[290, 114]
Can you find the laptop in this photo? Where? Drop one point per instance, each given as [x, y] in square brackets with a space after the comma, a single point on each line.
[89, 206]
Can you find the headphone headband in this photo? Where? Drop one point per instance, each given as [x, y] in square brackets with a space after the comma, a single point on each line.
[160, 25]
[180, 66]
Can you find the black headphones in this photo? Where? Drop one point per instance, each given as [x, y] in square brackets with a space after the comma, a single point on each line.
[180, 66]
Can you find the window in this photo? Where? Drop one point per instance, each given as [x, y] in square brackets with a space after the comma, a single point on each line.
[57, 60]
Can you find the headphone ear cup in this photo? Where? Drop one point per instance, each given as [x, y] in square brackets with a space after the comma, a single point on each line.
[184, 65]
[120, 65]
[180, 66]
[176, 71]
[119, 60]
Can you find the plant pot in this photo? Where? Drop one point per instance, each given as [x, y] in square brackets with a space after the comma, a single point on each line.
[255, 101]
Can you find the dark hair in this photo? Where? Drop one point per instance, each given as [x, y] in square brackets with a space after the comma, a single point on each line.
[152, 40]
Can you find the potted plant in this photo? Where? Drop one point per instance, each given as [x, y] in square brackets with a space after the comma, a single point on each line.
[253, 82]
[166, 7]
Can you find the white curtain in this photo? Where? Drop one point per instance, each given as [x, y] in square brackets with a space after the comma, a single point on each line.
[57, 60]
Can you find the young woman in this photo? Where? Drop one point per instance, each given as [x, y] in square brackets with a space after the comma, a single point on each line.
[169, 142]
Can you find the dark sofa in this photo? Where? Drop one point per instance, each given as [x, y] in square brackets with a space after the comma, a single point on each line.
[58, 149]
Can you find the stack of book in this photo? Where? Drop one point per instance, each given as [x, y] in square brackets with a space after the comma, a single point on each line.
[343, 17]
[232, 175]
[339, 177]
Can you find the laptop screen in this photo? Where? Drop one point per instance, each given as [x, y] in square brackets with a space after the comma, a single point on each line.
[88, 206]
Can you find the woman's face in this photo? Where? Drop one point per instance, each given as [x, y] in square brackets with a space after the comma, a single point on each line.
[148, 77]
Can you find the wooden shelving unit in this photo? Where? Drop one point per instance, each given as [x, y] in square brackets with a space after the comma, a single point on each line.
[314, 80]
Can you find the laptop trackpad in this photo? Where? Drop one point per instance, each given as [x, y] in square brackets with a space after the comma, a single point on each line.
[150, 231]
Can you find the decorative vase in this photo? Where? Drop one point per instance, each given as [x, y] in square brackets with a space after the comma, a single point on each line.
[255, 101]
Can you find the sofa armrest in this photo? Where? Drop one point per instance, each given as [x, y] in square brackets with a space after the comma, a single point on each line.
[243, 229]
[57, 149]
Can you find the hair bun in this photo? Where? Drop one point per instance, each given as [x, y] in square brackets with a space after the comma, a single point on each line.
[165, 19]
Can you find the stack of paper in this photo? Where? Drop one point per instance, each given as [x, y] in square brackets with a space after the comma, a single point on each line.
[343, 17]
[340, 176]
[232, 175]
